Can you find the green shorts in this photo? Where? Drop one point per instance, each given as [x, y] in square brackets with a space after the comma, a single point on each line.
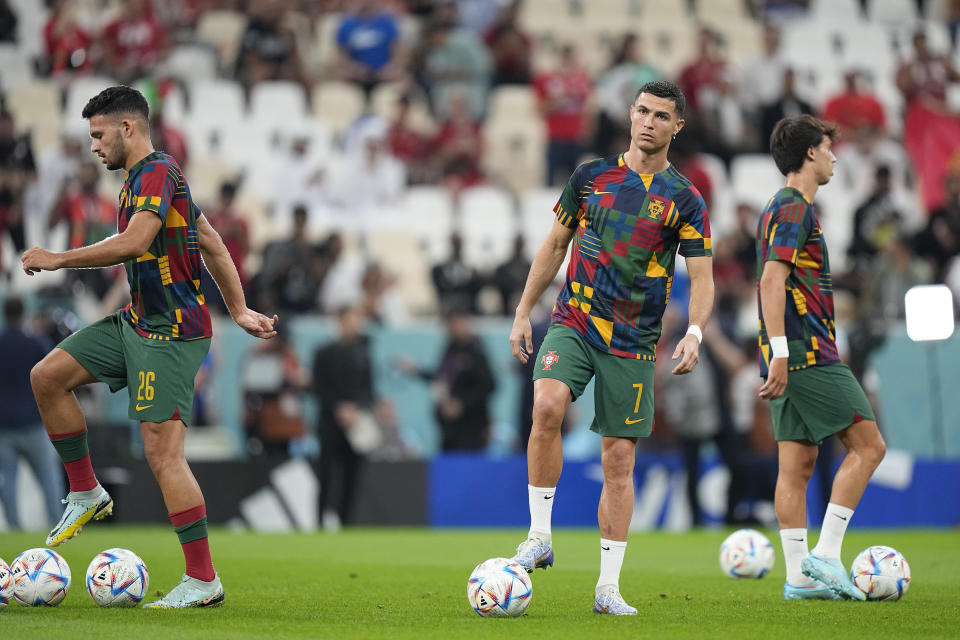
[623, 393]
[161, 371]
[819, 402]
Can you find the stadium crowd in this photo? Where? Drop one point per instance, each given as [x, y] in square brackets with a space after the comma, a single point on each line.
[400, 158]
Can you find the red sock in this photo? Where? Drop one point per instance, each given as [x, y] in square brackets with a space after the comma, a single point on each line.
[72, 449]
[191, 528]
[80, 474]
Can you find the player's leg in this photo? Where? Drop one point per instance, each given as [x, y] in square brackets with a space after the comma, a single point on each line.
[614, 514]
[95, 353]
[42, 458]
[163, 448]
[9, 463]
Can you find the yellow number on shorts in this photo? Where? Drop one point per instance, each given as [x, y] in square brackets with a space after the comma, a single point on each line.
[639, 388]
[145, 391]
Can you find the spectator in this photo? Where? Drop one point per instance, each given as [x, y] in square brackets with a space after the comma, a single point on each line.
[684, 157]
[273, 386]
[368, 42]
[761, 77]
[462, 386]
[510, 48]
[21, 430]
[343, 386]
[17, 171]
[408, 144]
[563, 96]
[788, 104]
[457, 283]
[931, 130]
[875, 221]
[458, 146]
[134, 42]
[287, 278]
[616, 90]
[67, 45]
[268, 48]
[379, 298]
[300, 179]
[57, 167]
[854, 109]
[454, 59]
[8, 23]
[704, 71]
[893, 272]
[168, 138]
[939, 241]
[233, 227]
[511, 276]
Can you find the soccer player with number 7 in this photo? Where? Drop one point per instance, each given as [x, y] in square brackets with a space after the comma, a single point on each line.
[627, 216]
[812, 394]
[154, 346]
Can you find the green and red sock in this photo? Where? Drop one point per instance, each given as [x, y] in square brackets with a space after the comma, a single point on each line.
[73, 451]
[191, 528]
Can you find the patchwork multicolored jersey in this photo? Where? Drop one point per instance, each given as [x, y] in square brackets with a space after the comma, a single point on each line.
[628, 229]
[790, 232]
[166, 302]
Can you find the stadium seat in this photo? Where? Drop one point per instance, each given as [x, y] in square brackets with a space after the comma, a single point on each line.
[548, 19]
[610, 18]
[669, 45]
[383, 103]
[338, 104]
[223, 30]
[488, 224]
[512, 101]
[323, 51]
[192, 63]
[754, 178]
[843, 12]
[937, 32]
[892, 12]
[536, 215]
[515, 152]
[274, 103]
[399, 252]
[742, 37]
[15, 67]
[710, 10]
[215, 106]
[32, 17]
[79, 92]
[428, 214]
[809, 44]
[205, 174]
[722, 206]
[868, 45]
[663, 11]
[36, 107]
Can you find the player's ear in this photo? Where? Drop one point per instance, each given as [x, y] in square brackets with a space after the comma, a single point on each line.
[680, 124]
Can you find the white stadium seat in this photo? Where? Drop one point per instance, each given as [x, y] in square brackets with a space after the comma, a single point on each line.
[488, 224]
[428, 214]
[755, 178]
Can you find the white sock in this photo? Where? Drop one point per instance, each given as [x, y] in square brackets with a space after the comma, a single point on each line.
[541, 508]
[611, 559]
[794, 542]
[90, 494]
[835, 522]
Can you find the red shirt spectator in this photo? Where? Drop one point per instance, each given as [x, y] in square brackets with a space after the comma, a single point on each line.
[563, 96]
[706, 71]
[458, 146]
[232, 227]
[853, 109]
[66, 43]
[134, 41]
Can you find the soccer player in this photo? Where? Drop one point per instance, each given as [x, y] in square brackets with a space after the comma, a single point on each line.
[812, 395]
[626, 215]
[154, 346]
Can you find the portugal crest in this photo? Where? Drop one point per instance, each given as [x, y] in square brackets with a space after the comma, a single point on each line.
[549, 360]
[655, 208]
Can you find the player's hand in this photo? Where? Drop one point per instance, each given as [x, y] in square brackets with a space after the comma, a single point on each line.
[776, 382]
[36, 260]
[521, 338]
[257, 324]
[688, 350]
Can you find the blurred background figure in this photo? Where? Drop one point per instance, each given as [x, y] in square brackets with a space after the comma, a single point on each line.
[564, 99]
[369, 47]
[22, 434]
[274, 383]
[462, 385]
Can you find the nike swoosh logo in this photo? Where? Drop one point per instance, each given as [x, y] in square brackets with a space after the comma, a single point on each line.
[605, 548]
[629, 421]
[600, 193]
[839, 516]
[146, 406]
[796, 539]
[548, 497]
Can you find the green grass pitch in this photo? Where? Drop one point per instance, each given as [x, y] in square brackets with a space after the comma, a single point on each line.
[411, 583]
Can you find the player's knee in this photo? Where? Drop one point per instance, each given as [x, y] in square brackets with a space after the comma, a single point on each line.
[42, 378]
[876, 450]
[547, 414]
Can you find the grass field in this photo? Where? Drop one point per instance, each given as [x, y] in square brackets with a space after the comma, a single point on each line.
[411, 583]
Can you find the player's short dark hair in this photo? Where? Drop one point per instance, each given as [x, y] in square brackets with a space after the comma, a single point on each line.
[793, 137]
[668, 90]
[115, 101]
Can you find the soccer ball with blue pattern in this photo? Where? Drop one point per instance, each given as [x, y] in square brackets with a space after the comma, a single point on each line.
[117, 578]
[499, 588]
[881, 572]
[6, 584]
[746, 553]
[41, 577]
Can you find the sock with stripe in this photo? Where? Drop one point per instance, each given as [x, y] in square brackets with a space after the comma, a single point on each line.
[73, 451]
[191, 528]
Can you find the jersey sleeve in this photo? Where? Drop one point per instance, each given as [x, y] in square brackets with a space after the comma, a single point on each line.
[788, 230]
[157, 188]
[567, 208]
[694, 225]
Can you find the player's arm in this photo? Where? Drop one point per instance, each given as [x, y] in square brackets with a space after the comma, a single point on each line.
[543, 270]
[220, 265]
[773, 301]
[117, 249]
[700, 270]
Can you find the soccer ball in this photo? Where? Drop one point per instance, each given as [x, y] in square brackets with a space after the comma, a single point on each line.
[499, 588]
[881, 572]
[117, 578]
[41, 577]
[746, 553]
[6, 584]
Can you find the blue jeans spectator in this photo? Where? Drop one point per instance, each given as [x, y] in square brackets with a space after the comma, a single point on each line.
[33, 445]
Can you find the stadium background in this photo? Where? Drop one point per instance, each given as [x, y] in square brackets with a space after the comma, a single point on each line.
[269, 109]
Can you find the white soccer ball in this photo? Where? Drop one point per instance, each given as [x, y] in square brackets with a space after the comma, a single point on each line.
[881, 572]
[41, 577]
[117, 578]
[499, 587]
[746, 553]
[6, 584]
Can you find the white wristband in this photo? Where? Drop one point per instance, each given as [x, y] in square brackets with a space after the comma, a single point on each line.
[779, 348]
[695, 330]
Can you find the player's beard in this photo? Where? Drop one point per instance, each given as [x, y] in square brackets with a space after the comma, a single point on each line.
[117, 158]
